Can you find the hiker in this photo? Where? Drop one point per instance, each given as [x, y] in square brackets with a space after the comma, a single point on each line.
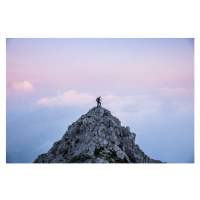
[98, 100]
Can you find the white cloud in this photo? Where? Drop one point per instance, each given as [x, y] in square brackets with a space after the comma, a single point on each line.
[171, 91]
[132, 107]
[71, 98]
[129, 108]
[23, 86]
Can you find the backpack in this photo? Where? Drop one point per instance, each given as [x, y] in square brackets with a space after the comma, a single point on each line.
[97, 99]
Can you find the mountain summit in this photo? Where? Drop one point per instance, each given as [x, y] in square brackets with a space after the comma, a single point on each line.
[96, 137]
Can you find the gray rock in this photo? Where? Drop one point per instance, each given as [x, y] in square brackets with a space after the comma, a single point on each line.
[123, 148]
[120, 154]
[105, 142]
[96, 137]
[102, 131]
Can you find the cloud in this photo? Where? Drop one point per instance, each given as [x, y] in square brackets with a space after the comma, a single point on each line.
[184, 107]
[22, 86]
[170, 91]
[132, 107]
[19, 88]
[71, 98]
[129, 108]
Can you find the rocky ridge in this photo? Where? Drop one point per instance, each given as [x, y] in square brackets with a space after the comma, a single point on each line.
[96, 137]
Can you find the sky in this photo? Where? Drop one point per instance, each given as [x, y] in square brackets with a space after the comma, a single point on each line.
[147, 83]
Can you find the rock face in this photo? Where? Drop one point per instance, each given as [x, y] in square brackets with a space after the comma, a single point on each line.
[96, 137]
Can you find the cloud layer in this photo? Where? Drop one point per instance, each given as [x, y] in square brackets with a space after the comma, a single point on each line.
[137, 108]
[171, 91]
[133, 107]
[71, 98]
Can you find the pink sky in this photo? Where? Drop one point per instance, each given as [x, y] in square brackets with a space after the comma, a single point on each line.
[77, 64]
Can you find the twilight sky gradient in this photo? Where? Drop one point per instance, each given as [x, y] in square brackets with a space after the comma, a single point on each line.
[147, 83]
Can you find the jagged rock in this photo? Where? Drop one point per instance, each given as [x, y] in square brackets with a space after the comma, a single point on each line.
[96, 137]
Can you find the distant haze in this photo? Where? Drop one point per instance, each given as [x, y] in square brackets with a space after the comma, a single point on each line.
[147, 83]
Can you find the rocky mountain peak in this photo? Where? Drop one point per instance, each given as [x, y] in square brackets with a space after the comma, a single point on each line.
[96, 137]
